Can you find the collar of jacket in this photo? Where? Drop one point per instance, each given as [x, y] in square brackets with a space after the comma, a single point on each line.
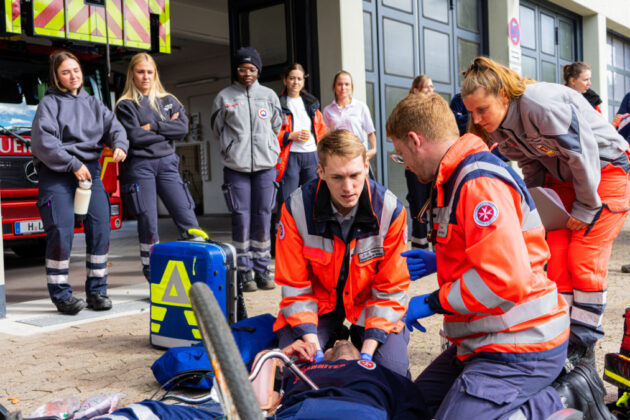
[323, 215]
[592, 97]
[246, 90]
[467, 144]
[56, 92]
[512, 116]
[310, 101]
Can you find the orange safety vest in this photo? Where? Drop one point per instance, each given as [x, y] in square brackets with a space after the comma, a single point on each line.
[310, 254]
[491, 249]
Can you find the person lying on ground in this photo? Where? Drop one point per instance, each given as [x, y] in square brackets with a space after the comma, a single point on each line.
[348, 386]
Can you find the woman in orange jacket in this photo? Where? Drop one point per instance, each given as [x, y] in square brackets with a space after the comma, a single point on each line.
[302, 127]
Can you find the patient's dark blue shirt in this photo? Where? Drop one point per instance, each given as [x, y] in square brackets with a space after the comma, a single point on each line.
[358, 381]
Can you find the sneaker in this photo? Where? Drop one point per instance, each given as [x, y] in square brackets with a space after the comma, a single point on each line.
[625, 268]
[264, 280]
[583, 390]
[99, 302]
[71, 306]
[246, 281]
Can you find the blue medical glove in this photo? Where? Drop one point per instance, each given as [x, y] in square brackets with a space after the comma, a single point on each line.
[319, 356]
[366, 356]
[418, 308]
[420, 262]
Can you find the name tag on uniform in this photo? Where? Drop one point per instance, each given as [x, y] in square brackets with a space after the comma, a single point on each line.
[371, 253]
[442, 231]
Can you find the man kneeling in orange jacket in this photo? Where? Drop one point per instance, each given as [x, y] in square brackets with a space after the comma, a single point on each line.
[338, 257]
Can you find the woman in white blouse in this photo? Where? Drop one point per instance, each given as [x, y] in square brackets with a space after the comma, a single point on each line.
[346, 112]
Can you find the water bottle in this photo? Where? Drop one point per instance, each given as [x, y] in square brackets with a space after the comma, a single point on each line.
[82, 199]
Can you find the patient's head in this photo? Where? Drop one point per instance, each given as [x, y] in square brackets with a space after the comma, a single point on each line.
[342, 349]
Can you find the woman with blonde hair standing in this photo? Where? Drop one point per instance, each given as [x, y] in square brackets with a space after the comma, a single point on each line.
[562, 143]
[154, 120]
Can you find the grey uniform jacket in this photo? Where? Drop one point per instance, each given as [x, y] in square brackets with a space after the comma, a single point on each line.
[551, 129]
[69, 130]
[247, 121]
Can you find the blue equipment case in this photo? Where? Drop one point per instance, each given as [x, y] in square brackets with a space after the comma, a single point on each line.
[174, 267]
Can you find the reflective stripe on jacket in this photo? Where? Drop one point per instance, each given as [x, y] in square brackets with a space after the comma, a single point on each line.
[310, 255]
[491, 251]
[318, 128]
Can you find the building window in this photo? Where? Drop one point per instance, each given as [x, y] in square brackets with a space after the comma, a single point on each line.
[618, 52]
[367, 41]
[398, 47]
[549, 40]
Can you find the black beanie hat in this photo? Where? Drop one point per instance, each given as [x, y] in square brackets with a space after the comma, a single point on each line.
[248, 55]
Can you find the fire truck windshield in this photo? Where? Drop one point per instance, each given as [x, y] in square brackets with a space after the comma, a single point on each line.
[16, 118]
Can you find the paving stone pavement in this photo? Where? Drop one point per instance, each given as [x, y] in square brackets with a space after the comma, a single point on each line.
[114, 355]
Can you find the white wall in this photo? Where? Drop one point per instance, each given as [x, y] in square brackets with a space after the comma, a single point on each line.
[340, 45]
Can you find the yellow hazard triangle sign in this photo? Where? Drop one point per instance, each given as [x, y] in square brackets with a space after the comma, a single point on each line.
[173, 287]
[172, 291]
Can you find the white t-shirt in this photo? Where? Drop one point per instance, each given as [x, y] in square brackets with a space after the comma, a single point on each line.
[354, 117]
[301, 121]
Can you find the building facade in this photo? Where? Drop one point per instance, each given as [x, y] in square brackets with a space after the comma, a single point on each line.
[384, 44]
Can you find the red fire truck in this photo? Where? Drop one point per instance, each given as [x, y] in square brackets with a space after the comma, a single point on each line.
[29, 31]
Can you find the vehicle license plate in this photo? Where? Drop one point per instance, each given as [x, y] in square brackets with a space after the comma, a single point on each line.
[28, 226]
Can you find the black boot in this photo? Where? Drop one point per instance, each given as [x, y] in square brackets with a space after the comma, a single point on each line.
[582, 390]
[241, 311]
[264, 280]
[579, 353]
[246, 281]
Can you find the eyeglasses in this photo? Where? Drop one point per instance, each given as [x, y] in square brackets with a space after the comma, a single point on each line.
[245, 70]
[397, 158]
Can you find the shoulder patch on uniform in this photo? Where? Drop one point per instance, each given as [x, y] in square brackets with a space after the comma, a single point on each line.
[367, 364]
[280, 231]
[263, 113]
[486, 213]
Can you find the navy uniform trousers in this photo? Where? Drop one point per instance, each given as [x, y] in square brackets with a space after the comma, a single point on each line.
[417, 194]
[301, 168]
[483, 388]
[56, 208]
[143, 180]
[250, 197]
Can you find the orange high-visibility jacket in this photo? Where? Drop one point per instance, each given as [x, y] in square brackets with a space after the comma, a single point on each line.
[491, 251]
[318, 128]
[310, 253]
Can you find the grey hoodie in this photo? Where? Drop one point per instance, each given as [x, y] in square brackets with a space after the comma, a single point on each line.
[247, 121]
[551, 129]
[69, 130]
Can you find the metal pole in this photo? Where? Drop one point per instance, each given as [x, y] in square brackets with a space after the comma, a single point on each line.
[3, 296]
[107, 58]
